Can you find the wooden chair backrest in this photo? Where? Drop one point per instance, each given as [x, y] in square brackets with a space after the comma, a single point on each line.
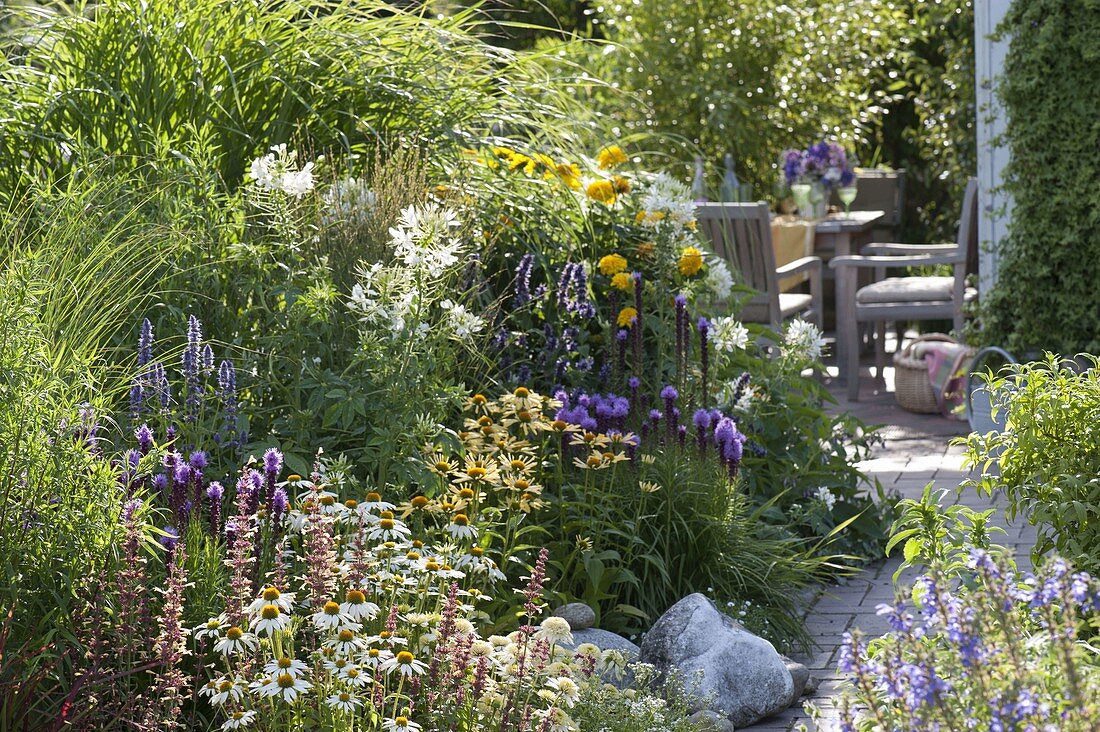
[967, 237]
[741, 233]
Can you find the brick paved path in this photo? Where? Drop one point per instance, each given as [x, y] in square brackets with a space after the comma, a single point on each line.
[915, 453]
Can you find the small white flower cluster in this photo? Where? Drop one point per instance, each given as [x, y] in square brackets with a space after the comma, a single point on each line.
[732, 401]
[424, 240]
[728, 335]
[278, 170]
[667, 202]
[803, 340]
[464, 324]
[826, 497]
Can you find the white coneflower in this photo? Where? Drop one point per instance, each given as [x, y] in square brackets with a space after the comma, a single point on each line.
[235, 641]
[337, 666]
[400, 724]
[375, 657]
[273, 596]
[405, 664]
[355, 677]
[567, 690]
[270, 619]
[481, 648]
[344, 702]
[212, 628]
[460, 527]
[388, 529]
[286, 687]
[224, 690]
[356, 606]
[346, 642]
[464, 628]
[555, 630]
[374, 504]
[330, 617]
[239, 720]
[285, 665]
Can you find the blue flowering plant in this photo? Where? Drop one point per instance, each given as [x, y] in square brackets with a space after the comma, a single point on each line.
[1002, 650]
[973, 642]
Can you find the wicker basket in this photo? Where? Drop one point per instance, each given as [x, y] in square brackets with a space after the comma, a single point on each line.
[912, 388]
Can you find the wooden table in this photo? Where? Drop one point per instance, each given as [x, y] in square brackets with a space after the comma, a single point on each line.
[839, 235]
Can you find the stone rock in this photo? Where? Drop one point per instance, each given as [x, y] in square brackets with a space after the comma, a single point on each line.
[577, 614]
[800, 676]
[741, 674]
[607, 641]
[811, 686]
[707, 721]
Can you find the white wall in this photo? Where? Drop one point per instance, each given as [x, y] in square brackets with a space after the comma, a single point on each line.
[995, 207]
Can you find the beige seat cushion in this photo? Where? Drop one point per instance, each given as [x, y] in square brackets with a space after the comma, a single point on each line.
[910, 289]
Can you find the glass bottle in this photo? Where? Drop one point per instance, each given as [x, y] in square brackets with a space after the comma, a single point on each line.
[699, 184]
[731, 187]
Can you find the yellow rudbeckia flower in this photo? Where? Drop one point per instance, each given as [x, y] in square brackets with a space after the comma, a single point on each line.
[602, 191]
[610, 157]
[691, 261]
[612, 264]
[627, 317]
[623, 281]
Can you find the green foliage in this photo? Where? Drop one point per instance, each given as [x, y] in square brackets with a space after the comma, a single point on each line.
[1045, 460]
[934, 532]
[129, 79]
[1046, 296]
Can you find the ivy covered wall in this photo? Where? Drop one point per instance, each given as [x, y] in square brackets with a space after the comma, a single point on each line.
[1048, 290]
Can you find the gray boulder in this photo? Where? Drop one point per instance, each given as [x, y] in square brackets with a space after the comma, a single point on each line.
[740, 675]
[707, 721]
[577, 614]
[800, 676]
[607, 641]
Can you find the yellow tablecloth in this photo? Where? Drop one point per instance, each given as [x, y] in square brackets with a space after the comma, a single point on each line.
[792, 238]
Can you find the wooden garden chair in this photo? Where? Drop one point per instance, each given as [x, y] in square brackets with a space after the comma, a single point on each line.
[741, 234]
[893, 299]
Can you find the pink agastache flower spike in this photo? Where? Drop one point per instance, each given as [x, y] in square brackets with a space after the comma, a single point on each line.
[168, 690]
[241, 555]
[131, 577]
[320, 553]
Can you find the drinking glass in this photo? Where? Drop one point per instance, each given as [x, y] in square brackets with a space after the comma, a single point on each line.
[847, 195]
[801, 194]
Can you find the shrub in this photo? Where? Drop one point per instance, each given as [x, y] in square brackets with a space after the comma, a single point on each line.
[1044, 461]
[988, 646]
[1045, 298]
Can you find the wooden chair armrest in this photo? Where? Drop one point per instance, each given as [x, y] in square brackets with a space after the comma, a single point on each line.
[806, 264]
[907, 249]
[894, 261]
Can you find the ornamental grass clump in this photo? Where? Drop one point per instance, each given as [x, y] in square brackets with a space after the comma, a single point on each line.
[1003, 650]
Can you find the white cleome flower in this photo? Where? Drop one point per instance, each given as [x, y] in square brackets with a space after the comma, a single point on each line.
[728, 334]
[719, 280]
[804, 339]
[461, 321]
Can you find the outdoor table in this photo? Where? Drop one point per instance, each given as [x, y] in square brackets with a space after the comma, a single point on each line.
[838, 235]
